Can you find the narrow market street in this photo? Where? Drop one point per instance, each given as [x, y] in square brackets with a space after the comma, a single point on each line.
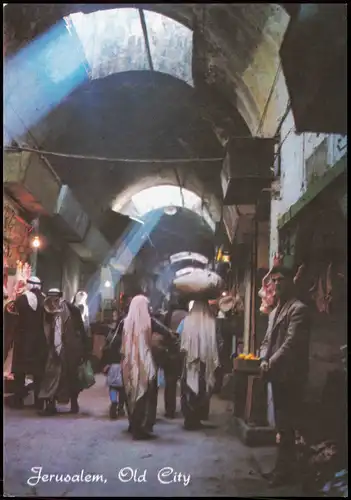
[217, 463]
[175, 228]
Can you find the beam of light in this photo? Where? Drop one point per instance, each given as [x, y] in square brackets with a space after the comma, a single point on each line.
[40, 76]
[125, 250]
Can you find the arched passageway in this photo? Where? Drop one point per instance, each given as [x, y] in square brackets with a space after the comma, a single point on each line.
[235, 49]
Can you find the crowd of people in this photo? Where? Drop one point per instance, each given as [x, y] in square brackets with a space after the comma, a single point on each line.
[52, 341]
[139, 344]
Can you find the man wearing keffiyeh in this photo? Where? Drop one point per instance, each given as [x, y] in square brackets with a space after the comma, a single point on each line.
[67, 347]
[29, 350]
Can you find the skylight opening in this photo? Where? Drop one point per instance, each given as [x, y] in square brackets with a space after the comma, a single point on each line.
[114, 42]
[158, 197]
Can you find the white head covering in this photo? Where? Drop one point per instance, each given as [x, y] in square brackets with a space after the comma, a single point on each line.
[80, 297]
[138, 365]
[33, 283]
[56, 293]
[199, 342]
[80, 300]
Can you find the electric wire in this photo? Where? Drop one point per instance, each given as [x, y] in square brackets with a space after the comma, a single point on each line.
[113, 160]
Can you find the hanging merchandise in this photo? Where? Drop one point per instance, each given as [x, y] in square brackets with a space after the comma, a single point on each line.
[238, 302]
[23, 273]
[338, 486]
[267, 292]
[5, 279]
[16, 234]
[328, 290]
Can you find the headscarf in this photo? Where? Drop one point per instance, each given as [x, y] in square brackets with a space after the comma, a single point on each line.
[80, 300]
[33, 283]
[138, 366]
[199, 342]
[54, 301]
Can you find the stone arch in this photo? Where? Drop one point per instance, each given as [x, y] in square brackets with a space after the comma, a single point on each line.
[236, 55]
[192, 184]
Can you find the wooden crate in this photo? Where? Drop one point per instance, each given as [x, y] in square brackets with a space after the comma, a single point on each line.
[248, 366]
[256, 402]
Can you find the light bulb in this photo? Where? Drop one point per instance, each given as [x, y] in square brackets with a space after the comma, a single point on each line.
[36, 242]
[170, 210]
[107, 284]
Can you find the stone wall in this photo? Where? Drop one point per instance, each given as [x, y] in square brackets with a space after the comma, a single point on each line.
[305, 158]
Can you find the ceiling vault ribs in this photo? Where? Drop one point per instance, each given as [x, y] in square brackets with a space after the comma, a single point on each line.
[146, 38]
[180, 186]
[234, 48]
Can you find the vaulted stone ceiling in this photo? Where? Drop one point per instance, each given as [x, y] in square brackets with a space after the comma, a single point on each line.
[235, 63]
[133, 115]
[235, 54]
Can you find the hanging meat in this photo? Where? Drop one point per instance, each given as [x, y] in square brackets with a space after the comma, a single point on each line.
[323, 290]
[328, 289]
[299, 274]
[319, 296]
[267, 294]
[267, 291]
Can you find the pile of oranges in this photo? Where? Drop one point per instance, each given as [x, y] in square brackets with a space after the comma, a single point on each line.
[248, 356]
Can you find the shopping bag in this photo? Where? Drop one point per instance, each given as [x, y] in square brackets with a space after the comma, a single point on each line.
[86, 375]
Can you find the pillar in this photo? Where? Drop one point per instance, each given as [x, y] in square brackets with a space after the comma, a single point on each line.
[34, 255]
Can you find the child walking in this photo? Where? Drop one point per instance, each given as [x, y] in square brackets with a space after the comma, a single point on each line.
[111, 361]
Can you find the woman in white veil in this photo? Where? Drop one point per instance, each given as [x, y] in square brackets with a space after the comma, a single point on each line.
[138, 368]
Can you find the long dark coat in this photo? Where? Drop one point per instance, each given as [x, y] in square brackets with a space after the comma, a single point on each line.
[61, 373]
[286, 344]
[29, 346]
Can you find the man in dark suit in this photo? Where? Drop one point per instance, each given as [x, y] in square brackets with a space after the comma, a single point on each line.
[285, 362]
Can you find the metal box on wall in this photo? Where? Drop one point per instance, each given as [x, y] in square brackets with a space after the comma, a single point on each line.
[31, 182]
[247, 170]
[70, 217]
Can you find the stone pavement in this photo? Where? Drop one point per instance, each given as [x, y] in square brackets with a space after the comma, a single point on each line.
[209, 462]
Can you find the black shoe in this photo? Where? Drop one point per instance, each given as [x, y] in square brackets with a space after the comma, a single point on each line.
[121, 412]
[278, 479]
[268, 475]
[17, 403]
[39, 404]
[170, 415]
[48, 411]
[192, 426]
[142, 435]
[74, 407]
[113, 411]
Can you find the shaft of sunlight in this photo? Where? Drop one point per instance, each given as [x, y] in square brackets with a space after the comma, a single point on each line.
[40, 76]
[123, 253]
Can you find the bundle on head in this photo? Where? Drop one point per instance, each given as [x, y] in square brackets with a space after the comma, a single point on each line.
[199, 284]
